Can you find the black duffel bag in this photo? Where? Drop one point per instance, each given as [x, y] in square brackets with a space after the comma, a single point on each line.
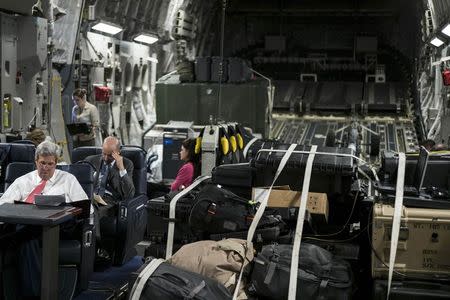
[320, 275]
[217, 210]
[172, 283]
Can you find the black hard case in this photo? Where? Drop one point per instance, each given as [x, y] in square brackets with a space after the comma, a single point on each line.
[411, 290]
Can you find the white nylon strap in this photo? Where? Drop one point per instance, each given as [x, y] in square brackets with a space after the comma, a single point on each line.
[248, 146]
[141, 280]
[397, 216]
[263, 202]
[172, 208]
[262, 207]
[299, 227]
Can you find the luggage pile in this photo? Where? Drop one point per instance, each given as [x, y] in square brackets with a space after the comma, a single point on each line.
[212, 270]
[420, 268]
[207, 212]
[285, 244]
[218, 245]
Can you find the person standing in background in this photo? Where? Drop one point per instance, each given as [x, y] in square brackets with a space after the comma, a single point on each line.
[84, 112]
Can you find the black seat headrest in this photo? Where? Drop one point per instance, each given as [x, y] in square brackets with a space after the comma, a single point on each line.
[135, 154]
[137, 157]
[19, 152]
[81, 153]
[17, 169]
[84, 173]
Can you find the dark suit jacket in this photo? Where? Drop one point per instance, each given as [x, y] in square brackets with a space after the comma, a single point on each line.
[121, 187]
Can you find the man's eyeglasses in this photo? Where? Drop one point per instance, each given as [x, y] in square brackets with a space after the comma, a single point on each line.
[46, 164]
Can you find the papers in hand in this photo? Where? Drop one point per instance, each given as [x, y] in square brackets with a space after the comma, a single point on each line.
[99, 200]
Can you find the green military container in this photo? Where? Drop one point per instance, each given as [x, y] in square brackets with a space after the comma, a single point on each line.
[245, 103]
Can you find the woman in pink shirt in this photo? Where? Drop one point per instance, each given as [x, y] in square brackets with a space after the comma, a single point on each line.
[190, 170]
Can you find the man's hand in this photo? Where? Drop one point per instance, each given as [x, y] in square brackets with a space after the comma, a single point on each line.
[119, 160]
[99, 199]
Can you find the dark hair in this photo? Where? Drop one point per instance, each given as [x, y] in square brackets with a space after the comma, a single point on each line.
[428, 144]
[189, 145]
[80, 93]
[37, 136]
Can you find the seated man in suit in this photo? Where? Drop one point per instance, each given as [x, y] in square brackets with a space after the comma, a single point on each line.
[47, 180]
[114, 179]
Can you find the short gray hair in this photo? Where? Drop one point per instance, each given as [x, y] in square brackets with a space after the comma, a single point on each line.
[112, 139]
[47, 148]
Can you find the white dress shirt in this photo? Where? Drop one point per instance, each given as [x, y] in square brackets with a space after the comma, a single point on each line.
[61, 183]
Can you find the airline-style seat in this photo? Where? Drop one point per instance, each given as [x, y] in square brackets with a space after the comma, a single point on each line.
[12, 152]
[77, 249]
[127, 227]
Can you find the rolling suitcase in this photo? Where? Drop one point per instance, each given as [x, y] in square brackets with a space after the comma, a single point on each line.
[158, 219]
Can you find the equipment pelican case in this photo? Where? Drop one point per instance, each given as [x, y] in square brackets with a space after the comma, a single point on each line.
[237, 178]
[330, 173]
[411, 290]
[424, 240]
[431, 192]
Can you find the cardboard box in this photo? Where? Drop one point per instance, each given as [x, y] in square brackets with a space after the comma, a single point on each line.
[283, 196]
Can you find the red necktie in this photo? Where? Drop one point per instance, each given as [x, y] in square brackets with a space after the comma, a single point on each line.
[37, 190]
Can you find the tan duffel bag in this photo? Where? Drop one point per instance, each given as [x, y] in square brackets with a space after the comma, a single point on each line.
[220, 260]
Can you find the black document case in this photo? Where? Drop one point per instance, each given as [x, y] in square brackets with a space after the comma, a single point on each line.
[77, 128]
